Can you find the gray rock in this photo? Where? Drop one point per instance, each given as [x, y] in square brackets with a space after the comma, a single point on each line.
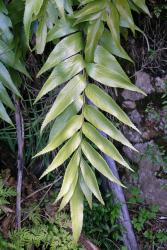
[136, 117]
[160, 84]
[143, 81]
[129, 105]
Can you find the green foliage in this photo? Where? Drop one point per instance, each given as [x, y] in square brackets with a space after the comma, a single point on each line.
[5, 194]
[47, 235]
[101, 224]
[86, 36]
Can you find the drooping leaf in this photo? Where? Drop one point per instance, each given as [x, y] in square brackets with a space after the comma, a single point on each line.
[3, 114]
[64, 153]
[96, 118]
[31, 8]
[90, 179]
[105, 102]
[95, 30]
[142, 5]
[4, 97]
[103, 144]
[70, 174]
[86, 191]
[68, 94]
[60, 29]
[108, 43]
[5, 78]
[67, 47]
[69, 130]
[110, 77]
[125, 12]
[76, 207]
[67, 197]
[63, 72]
[98, 162]
[64, 118]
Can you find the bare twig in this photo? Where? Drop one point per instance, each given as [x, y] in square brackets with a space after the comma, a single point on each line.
[20, 159]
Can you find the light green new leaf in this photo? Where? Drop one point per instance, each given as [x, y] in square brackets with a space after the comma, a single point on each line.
[67, 47]
[106, 103]
[86, 191]
[63, 72]
[125, 12]
[64, 118]
[69, 194]
[69, 130]
[141, 4]
[90, 8]
[96, 118]
[98, 162]
[110, 77]
[3, 114]
[76, 207]
[89, 18]
[64, 153]
[8, 57]
[113, 22]
[67, 95]
[90, 180]
[108, 43]
[32, 7]
[61, 28]
[5, 78]
[103, 144]
[4, 97]
[95, 30]
[70, 174]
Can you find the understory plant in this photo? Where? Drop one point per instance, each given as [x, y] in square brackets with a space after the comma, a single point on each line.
[86, 39]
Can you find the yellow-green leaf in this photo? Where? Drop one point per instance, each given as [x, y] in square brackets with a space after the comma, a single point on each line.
[103, 144]
[86, 191]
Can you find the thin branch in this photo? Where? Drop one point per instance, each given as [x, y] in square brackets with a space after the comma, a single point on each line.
[20, 159]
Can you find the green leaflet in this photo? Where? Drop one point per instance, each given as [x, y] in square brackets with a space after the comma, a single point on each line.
[4, 97]
[90, 8]
[6, 79]
[64, 153]
[98, 162]
[90, 179]
[105, 58]
[63, 72]
[32, 7]
[113, 22]
[70, 174]
[71, 127]
[96, 118]
[108, 43]
[67, 47]
[86, 191]
[61, 28]
[7, 56]
[105, 102]
[76, 207]
[60, 5]
[95, 30]
[68, 94]
[90, 18]
[110, 77]
[65, 116]
[41, 35]
[141, 4]
[68, 195]
[3, 114]
[125, 12]
[103, 144]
